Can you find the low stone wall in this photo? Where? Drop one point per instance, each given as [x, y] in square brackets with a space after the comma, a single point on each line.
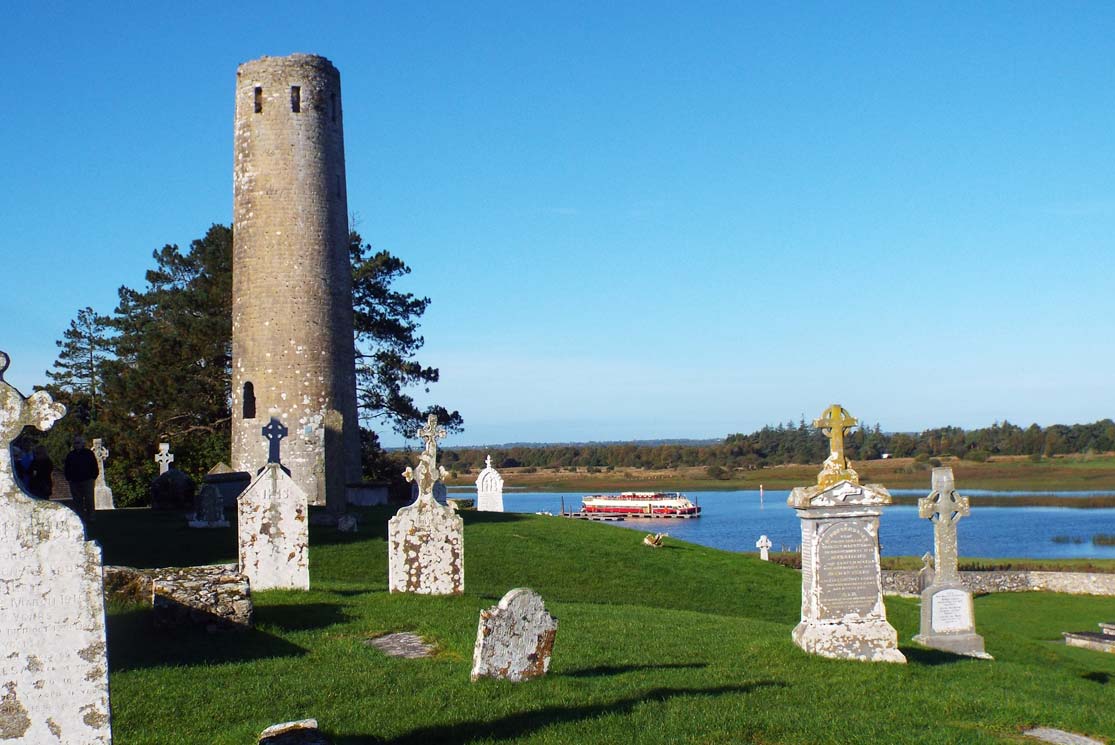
[216, 597]
[1073, 583]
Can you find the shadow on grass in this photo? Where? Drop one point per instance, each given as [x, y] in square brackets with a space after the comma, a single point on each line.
[526, 722]
[472, 517]
[153, 538]
[1097, 677]
[300, 617]
[134, 644]
[594, 672]
[931, 656]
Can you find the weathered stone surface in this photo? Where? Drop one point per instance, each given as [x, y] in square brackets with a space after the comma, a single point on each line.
[211, 509]
[303, 732]
[515, 638]
[215, 597]
[763, 544]
[273, 532]
[402, 644]
[842, 611]
[425, 541]
[53, 667]
[173, 490]
[102, 494]
[905, 582]
[292, 324]
[489, 489]
[947, 617]
[1060, 737]
[1100, 642]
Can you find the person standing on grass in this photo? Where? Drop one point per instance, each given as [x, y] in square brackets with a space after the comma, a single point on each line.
[81, 471]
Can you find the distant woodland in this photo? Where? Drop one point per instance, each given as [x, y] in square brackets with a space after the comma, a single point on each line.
[799, 443]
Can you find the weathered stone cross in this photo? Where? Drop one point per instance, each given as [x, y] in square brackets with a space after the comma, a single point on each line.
[100, 451]
[945, 508]
[275, 431]
[428, 471]
[834, 421]
[164, 457]
[16, 412]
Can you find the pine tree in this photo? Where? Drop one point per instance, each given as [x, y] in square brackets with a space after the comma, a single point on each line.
[83, 349]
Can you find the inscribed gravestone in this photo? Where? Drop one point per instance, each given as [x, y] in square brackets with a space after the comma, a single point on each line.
[515, 638]
[211, 509]
[53, 667]
[102, 494]
[947, 618]
[842, 611]
[272, 525]
[489, 489]
[425, 540]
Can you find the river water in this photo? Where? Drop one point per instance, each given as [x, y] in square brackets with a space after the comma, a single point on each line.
[734, 520]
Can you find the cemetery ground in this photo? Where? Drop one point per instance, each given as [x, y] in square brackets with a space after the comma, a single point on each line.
[678, 644]
[1001, 472]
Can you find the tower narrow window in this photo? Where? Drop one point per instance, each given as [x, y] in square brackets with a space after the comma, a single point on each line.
[249, 401]
[296, 98]
[259, 100]
[333, 107]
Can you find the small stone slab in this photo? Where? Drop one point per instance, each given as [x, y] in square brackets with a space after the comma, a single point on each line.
[402, 644]
[1060, 737]
[273, 532]
[1104, 642]
[302, 732]
[515, 638]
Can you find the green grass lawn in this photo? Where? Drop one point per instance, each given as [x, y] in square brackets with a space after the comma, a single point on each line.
[682, 644]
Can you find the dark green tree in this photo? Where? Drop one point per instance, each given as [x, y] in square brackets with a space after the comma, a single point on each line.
[386, 325]
[78, 371]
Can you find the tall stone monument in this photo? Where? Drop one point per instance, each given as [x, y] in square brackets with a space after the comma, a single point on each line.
[489, 489]
[842, 611]
[53, 668]
[273, 526]
[947, 618]
[102, 494]
[425, 541]
[292, 322]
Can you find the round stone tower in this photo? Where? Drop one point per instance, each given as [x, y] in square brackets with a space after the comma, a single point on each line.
[292, 333]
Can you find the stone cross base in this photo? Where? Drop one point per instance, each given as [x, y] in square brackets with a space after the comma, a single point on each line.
[871, 640]
[948, 622]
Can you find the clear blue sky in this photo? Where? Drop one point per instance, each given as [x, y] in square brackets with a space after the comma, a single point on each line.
[635, 220]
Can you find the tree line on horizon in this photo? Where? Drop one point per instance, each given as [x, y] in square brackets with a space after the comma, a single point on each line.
[159, 366]
[799, 443]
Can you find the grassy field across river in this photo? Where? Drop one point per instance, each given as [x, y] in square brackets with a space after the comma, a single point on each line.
[1003, 473]
[683, 644]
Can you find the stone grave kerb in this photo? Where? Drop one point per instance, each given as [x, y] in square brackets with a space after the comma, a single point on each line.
[842, 610]
[54, 683]
[947, 614]
[425, 541]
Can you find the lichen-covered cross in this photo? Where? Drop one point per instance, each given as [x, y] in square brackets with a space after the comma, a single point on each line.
[100, 450]
[430, 433]
[16, 412]
[833, 423]
[944, 506]
[275, 431]
[428, 471]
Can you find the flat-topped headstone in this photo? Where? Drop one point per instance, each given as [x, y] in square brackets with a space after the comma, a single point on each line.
[515, 638]
[764, 544]
[842, 610]
[164, 457]
[947, 617]
[102, 494]
[489, 489]
[425, 541]
[53, 667]
[211, 509]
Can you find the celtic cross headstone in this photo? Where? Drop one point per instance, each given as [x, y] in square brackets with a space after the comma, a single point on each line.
[164, 457]
[102, 494]
[947, 616]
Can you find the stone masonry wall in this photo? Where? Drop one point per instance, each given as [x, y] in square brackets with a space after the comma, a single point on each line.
[1073, 583]
[292, 327]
